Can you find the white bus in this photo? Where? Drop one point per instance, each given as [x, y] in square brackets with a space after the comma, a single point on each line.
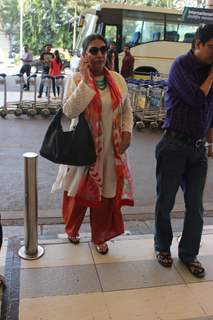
[156, 35]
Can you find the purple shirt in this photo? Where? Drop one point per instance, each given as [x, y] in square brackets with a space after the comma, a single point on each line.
[188, 110]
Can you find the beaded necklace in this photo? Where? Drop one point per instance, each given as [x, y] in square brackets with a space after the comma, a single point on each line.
[101, 84]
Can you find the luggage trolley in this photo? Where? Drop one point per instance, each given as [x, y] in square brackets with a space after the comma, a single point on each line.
[3, 108]
[147, 99]
[154, 106]
[19, 107]
[48, 107]
[162, 111]
[138, 90]
[28, 106]
[31, 111]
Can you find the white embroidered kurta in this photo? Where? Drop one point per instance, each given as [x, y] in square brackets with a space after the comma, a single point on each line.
[76, 100]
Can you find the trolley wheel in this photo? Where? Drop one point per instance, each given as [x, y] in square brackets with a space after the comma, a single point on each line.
[140, 125]
[18, 112]
[31, 112]
[3, 113]
[153, 125]
[45, 112]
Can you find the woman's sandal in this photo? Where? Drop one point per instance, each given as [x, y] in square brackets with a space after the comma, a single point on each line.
[74, 239]
[164, 258]
[102, 248]
[195, 267]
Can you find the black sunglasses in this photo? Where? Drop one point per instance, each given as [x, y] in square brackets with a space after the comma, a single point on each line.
[94, 50]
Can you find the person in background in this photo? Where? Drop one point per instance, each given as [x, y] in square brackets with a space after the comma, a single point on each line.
[127, 67]
[105, 186]
[55, 70]
[181, 153]
[27, 59]
[45, 59]
[112, 58]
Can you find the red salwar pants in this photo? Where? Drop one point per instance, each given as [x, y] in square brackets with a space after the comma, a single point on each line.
[106, 222]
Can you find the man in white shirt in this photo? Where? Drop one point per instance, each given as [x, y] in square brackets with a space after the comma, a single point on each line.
[26, 66]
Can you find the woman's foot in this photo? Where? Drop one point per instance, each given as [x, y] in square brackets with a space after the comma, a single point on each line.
[74, 239]
[102, 248]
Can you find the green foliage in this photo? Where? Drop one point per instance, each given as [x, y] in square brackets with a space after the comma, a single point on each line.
[46, 21]
[9, 18]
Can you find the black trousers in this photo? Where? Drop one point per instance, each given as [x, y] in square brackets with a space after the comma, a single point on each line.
[180, 164]
[26, 69]
[58, 88]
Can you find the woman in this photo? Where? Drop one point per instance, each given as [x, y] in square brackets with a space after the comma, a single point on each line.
[55, 70]
[105, 186]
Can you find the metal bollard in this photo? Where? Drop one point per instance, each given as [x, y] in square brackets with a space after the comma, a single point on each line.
[31, 250]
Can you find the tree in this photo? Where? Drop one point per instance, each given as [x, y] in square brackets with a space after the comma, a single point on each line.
[45, 22]
[9, 19]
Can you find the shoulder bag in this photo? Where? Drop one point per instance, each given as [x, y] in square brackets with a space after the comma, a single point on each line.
[75, 147]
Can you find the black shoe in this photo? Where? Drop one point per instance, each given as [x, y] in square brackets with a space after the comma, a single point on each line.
[39, 96]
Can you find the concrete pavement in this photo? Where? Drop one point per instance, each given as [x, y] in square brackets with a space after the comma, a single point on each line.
[75, 282]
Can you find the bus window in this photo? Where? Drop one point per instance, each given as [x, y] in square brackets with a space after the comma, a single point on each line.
[172, 36]
[186, 32]
[132, 32]
[152, 31]
[110, 33]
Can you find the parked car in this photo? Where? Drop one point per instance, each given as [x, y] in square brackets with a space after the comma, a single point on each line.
[65, 57]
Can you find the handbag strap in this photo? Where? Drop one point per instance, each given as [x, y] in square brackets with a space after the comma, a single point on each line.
[56, 122]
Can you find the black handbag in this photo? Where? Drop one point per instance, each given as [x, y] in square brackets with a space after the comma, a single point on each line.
[75, 147]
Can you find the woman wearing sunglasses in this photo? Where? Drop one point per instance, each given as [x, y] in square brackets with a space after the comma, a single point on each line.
[105, 186]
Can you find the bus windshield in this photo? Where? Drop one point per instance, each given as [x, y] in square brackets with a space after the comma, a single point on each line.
[88, 28]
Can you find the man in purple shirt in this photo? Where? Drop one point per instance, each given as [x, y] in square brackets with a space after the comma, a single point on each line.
[181, 154]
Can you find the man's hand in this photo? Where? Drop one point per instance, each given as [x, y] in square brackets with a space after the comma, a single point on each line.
[125, 142]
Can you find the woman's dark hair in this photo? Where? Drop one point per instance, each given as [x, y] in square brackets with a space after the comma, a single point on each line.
[57, 56]
[90, 38]
[204, 33]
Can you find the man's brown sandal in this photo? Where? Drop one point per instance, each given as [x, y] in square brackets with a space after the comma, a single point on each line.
[164, 258]
[102, 248]
[195, 267]
[74, 239]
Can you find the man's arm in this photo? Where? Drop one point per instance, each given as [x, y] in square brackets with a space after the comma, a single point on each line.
[186, 87]
[207, 84]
